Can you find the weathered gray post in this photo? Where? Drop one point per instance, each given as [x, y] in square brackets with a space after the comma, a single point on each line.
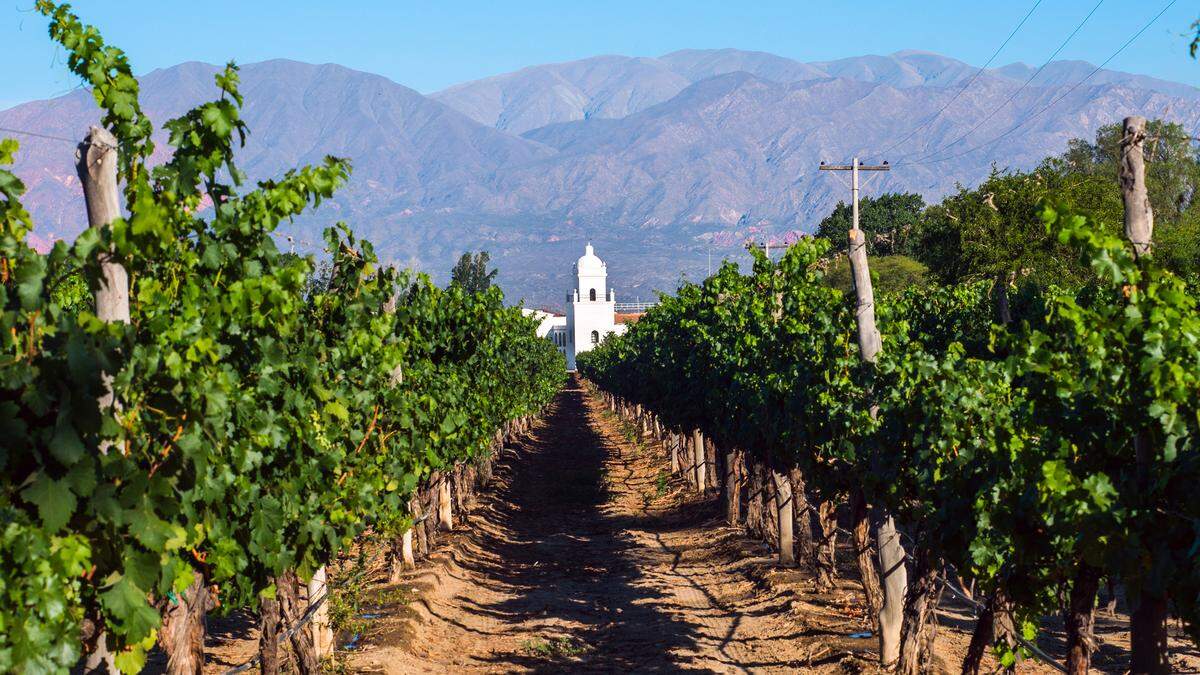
[1148, 617]
[698, 459]
[1139, 217]
[96, 164]
[783, 512]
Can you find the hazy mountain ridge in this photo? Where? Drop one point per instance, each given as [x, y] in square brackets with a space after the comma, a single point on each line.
[520, 101]
[656, 160]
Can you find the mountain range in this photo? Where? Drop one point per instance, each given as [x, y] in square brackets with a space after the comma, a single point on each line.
[657, 161]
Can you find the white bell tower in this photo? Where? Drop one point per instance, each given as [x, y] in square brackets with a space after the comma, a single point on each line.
[590, 306]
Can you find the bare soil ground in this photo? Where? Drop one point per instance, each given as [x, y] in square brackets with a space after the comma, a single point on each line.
[585, 555]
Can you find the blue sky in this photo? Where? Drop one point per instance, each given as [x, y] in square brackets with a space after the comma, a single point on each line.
[429, 45]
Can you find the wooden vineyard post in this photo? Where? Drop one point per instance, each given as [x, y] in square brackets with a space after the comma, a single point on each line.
[698, 460]
[407, 559]
[862, 549]
[406, 538]
[96, 162]
[733, 487]
[891, 550]
[182, 633]
[268, 638]
[712, 471]
[291, 612]
[1148, 615]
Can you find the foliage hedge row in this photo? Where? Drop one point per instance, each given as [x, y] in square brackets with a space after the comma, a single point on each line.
[266, 414]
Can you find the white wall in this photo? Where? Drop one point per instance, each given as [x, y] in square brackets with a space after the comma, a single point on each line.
[546, 320]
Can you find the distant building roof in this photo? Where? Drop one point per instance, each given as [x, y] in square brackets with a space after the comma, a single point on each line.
[588, 263]
[627, 318]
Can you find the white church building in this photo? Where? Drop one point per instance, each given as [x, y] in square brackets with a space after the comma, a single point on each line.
[591, 311]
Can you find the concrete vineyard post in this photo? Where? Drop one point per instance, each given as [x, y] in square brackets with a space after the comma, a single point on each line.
[96, 165]
[445, 503]
[783, 512]
[322, 631]
[1139, 217]
[891, 550]
[698, 459]
[1148, 615]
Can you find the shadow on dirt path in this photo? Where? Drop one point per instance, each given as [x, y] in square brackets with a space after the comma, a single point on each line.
[585, 555]
[567, 561]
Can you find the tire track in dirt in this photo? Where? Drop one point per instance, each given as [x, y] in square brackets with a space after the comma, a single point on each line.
[584, 556]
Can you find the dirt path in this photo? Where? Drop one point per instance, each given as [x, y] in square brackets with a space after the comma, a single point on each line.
[585, 556]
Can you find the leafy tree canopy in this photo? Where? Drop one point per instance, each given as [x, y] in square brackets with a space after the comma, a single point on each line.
[995, 230]
[1172, 170]
[888, 220]
[891, 273]
[471, 272]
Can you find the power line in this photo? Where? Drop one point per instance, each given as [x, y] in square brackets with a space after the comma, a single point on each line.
[35, 134]
[1052, 103]
[969, 82]
[1012, 96]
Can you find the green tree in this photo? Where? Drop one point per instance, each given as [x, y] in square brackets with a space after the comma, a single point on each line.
[471, 272]
[1172, 169]
[1177, 244]
[996, 231]
[888, 274]
[888, 220]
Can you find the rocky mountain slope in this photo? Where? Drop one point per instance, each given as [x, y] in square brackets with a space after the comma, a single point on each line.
[658, 160]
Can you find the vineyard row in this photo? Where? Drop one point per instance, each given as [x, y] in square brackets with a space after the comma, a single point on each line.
[1034, 458]
[195, 421]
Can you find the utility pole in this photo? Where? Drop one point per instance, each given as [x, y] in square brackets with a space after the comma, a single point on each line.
[765, 244]
[854, 167]
[868, 335]
[890, 550]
